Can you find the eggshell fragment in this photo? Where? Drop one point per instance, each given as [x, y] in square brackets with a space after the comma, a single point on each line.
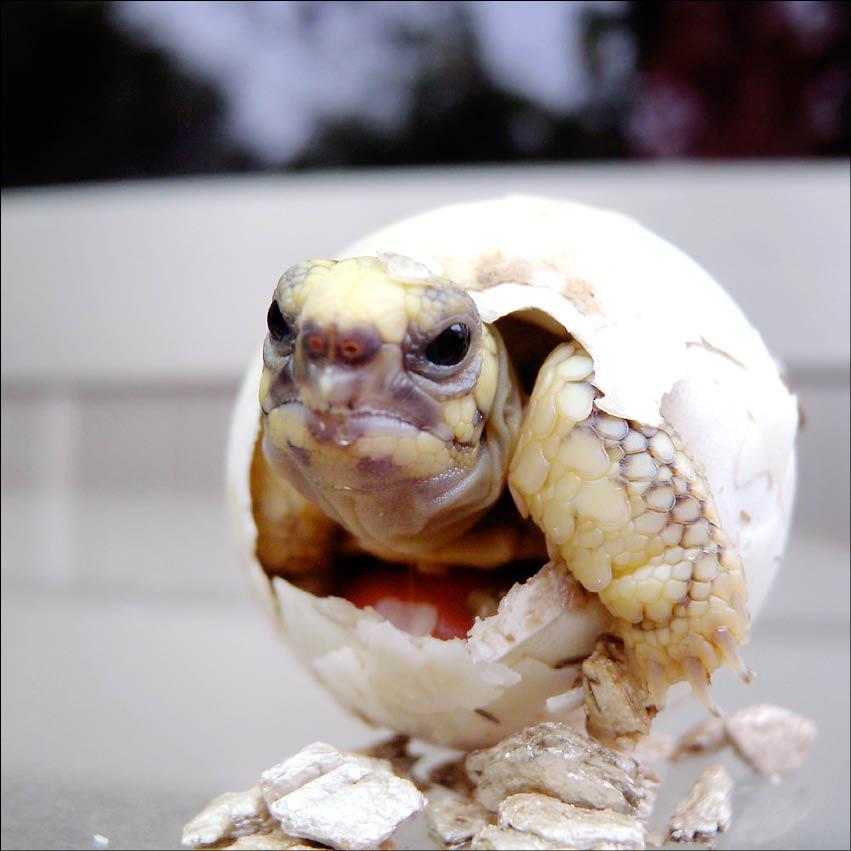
[705, 810]
[562, 825]
[275, 840]
[340, 799]
[229, 817]
[453, 819]
[561, 762]
[771, 739]
[443, 691]
[619, 708]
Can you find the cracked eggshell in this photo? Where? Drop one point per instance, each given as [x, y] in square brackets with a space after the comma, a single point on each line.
[667, 342]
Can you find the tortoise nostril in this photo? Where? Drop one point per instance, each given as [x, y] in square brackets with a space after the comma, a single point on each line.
[357, 345]
[351, 349]
[315, 344]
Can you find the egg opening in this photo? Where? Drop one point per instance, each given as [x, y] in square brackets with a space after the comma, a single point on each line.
[424, 597]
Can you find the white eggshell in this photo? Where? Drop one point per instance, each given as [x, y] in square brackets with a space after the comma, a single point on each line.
[667, 342]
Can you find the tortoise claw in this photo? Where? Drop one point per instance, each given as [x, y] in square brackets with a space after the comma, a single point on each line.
[698, 679]
[732, 654]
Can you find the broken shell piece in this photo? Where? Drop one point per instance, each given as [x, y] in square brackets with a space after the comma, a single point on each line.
[618, 706]
[453, 820]
[772, 740]
[340, 799]
[273, 841]
[494, 838]
[705, 810]
[650, 784]
[706, 737]
[229, 817]
[555, 759]
[538, 617]
[311, 762]
[769, 738]
[566, 826]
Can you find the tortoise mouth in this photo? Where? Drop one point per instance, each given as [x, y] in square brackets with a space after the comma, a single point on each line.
[346, 427]
[444, 605]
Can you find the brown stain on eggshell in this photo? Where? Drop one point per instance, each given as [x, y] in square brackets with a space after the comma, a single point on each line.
[494, 269]
[580, 292]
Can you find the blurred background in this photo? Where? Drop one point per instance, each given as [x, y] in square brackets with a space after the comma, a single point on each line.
[163, 162]
[95, 91]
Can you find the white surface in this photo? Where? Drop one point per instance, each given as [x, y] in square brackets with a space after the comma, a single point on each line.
[125, 718]
[172, 279]
[139, 679]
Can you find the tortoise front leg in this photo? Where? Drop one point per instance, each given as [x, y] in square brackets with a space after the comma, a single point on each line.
[631, 516]
[294, 536]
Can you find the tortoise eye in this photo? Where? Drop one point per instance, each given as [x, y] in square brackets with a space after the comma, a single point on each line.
[449, 346]
[279, 329]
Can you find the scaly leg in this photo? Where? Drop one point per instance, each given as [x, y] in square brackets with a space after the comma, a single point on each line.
[631, 516]
[294, 536]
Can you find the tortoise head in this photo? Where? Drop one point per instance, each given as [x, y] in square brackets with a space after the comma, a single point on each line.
[380, 377]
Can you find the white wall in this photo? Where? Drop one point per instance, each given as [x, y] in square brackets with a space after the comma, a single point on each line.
[171, 280]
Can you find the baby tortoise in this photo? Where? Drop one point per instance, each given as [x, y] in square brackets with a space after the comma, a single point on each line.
[392, 412]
